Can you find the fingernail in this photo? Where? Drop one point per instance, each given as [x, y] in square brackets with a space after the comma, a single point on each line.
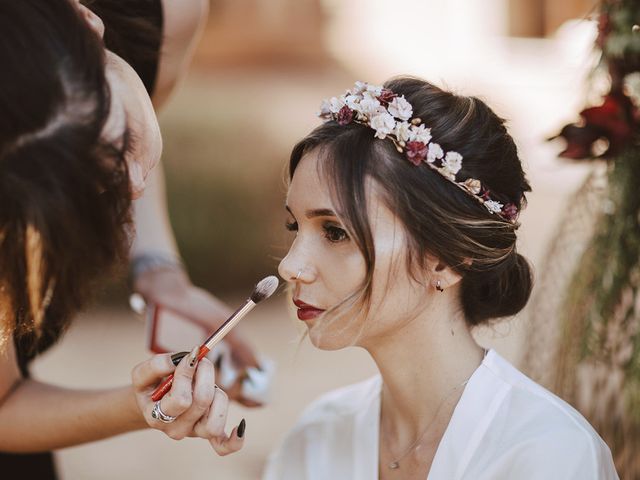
[193, 356]
[176, 358]
[241, 428]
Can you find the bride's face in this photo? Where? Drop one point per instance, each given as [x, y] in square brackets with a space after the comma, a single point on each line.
[325, 266]
[131, 108]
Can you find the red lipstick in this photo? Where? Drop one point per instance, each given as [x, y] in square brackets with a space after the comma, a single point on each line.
[306, 311]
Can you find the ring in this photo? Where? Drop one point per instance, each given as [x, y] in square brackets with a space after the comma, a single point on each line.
[158, 414]
[299, 273]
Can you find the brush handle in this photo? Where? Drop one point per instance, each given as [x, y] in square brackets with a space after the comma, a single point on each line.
[165, 386]
[209, 343]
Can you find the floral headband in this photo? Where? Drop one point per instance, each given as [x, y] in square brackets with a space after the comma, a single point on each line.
[390, 116]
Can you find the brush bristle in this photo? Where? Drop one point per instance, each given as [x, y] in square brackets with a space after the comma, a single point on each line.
[264, 288]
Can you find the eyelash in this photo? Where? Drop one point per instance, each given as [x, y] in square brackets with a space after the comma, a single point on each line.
[331, 230]
[332, 233]
[291, 226]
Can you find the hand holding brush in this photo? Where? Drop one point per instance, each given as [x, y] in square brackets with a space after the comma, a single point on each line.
[263, 290]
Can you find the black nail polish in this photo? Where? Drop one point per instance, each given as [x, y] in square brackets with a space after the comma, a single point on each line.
[241, 428]
[193, 356]
[177, 357]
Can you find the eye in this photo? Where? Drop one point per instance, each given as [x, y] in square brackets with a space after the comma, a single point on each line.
[292, 226]
[334, 234]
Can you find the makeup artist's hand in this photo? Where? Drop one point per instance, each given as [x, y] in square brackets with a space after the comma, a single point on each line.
[199, 406]
[172, 288]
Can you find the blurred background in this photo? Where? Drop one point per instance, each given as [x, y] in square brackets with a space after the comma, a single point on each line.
[259, 74]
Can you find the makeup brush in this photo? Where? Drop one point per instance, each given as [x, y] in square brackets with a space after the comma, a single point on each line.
[264, 289]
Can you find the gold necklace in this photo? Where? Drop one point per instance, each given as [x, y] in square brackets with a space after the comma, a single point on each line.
[395, 464]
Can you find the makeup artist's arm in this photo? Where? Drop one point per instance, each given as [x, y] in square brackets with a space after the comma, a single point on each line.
[170, 285]
[35, 416]
[183, 25]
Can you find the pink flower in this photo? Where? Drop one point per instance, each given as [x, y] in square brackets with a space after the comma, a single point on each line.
[510, 212]
[416, 152]
[386, 96]
[345, 115]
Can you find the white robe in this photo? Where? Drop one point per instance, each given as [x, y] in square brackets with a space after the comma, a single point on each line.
[505, 427]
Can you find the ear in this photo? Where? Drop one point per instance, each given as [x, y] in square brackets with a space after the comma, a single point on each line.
[441, 275]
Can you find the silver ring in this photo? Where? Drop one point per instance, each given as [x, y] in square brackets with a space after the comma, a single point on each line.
[158, 414]
[299, 273]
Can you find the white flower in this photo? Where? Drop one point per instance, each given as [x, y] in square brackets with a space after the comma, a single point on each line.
[374, 90]
[325, 109]
[453, 162]
[493, 206]
[383, 124]
[359, 88]
[420, 134]
[435, 152]
[353, 102]
[402, 131]
[370, 105]
[445, 172]
[335, 104]
[400, 108]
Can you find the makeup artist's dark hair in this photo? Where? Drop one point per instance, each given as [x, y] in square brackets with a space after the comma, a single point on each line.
[440, 218]
[64, 191]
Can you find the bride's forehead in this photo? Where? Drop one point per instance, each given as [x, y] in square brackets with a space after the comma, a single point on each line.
[308, 179]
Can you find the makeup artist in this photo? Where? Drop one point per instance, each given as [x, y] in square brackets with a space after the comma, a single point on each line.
[79, 139]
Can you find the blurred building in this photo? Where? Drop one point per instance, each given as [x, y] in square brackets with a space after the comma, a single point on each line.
[275, 33]
[264, 33]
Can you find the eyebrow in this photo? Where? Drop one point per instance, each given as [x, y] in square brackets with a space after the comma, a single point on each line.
[318, 212]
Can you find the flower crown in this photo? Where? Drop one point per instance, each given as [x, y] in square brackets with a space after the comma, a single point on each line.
[390, 116]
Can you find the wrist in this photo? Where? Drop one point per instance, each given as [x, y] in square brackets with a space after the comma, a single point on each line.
[134, 418]
[153, 261]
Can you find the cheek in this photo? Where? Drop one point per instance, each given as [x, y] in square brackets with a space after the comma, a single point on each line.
[344, 269]
[395, 293]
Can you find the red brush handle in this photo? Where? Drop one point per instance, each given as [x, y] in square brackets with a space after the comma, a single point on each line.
[165, 386]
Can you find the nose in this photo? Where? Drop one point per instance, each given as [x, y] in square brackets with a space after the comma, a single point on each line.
[293, 267]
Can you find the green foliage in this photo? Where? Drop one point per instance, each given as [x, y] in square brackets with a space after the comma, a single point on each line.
[226, 196]
[602, 312]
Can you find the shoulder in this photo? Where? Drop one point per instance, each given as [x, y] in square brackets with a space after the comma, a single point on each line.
[532, 403]
[536, 425]
[325, 427]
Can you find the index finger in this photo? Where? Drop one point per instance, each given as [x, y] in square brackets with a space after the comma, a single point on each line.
[151, 371]
[181, 394]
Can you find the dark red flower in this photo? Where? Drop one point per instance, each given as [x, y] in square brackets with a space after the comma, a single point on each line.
[386, 96]
[345, 115]
[510, 212]
[416, 152]
[613, 117]
[613, 121]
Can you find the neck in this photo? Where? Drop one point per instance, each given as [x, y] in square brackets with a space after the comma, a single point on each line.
[423, 366]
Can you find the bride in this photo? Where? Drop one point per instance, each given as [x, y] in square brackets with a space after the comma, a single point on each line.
[404, 206]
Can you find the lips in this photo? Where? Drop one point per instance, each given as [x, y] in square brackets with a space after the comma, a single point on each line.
[306, 311]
